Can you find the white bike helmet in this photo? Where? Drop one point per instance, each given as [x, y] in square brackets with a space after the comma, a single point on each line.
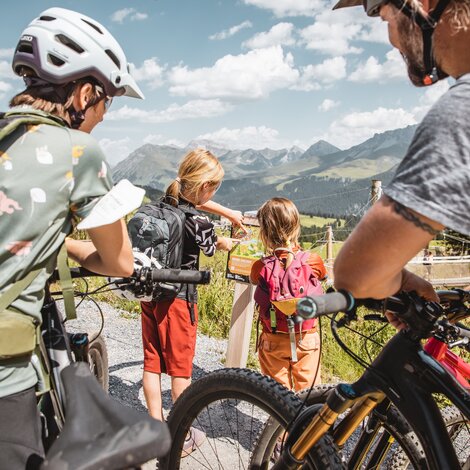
[62, 46]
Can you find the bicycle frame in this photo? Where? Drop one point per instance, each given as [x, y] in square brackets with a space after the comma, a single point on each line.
[407, 376]
[453, 363]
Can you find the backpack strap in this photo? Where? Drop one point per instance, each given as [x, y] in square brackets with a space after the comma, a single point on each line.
[16, 119]
[66, 284]
[14, 291]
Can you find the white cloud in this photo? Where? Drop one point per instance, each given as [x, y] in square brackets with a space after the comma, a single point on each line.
[191, 110]
[154, 139]
[157, 139]
[150, 71]
[328, 104]
[137, 16]
[131, 13]
[6, 53]
[333, 32]
[252, 75]
[372, 71]
[227, 33]
[280, 34]
[313, 76]
[430, 95]
[375, 31]
[357, 127]
[4, 87]
[115, 150]
[282, 8]
[331, 38]
[246, 137]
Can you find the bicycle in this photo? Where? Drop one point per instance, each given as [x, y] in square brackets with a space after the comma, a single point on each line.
[96, 432]
[384, 439]
[232, 394]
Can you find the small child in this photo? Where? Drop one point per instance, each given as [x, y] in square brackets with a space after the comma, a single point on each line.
[279, 232]
[168, 334]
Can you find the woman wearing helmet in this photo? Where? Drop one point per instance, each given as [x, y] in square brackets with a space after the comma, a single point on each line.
[52, 172]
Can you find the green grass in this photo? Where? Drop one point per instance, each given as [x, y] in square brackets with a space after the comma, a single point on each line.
[310, 221]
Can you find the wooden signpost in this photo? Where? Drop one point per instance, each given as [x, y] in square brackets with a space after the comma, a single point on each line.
[239, 263]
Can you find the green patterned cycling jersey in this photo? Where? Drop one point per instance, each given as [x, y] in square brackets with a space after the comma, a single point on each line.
[48, 176]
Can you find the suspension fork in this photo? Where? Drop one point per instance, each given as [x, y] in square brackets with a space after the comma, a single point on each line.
[339, 400]
[367, 438]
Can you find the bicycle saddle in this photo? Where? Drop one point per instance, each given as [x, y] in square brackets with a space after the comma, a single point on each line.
[99, 432]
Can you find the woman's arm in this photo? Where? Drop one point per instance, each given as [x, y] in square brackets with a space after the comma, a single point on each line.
[108, 252]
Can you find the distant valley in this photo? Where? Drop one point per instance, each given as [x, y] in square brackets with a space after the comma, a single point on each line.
[320, 180]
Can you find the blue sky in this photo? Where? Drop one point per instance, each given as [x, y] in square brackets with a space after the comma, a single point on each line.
[243, 73]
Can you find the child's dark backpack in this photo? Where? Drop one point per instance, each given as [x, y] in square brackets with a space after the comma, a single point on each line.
[279, 289]
[157, 231]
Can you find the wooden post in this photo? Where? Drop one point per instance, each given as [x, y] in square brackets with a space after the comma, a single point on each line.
[240, 325]
[329, 244]
[375, 191]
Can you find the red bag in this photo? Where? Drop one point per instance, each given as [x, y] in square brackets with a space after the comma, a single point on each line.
[279, 289]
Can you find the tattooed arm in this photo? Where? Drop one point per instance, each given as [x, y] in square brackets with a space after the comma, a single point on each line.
[371, 262]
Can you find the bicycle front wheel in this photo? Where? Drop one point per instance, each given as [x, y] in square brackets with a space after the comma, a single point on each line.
[371, 446]
[215, 422]
[458, 428]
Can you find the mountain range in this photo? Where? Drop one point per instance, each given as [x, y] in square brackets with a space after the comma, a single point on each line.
[321, 180]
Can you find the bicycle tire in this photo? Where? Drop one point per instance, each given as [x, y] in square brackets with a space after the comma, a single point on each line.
[392, 422]
[455, 422]
[98, 361]
[227, 386]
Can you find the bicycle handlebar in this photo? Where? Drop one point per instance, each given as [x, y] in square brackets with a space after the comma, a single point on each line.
[420, 315]
[150, 274]
[314, 307]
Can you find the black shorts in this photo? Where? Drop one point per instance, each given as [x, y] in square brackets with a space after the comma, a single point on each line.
[20, 432]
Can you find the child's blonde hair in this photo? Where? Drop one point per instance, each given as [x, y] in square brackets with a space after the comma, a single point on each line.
[197, 168]
[279, 222]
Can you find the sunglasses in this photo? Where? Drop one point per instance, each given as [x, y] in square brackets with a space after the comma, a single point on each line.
[372, 7]
[107, 103]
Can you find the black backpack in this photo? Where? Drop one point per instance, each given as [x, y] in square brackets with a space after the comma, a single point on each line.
[157, 231]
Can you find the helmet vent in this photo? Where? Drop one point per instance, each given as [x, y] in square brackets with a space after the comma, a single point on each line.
[47, 18]
[94, 26]
[25, 48]
[113, 57]
[66, 41]
[54, 60]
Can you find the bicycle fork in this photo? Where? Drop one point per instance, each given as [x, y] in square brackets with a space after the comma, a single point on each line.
[309, 430]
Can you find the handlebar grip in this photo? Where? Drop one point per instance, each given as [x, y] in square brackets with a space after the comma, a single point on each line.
[313, 307]
[181, 276]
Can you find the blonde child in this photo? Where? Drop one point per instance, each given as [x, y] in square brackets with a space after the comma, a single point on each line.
[168, 329]
[279, 232]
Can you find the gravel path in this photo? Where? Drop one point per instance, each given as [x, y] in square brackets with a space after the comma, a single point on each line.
[123, 340]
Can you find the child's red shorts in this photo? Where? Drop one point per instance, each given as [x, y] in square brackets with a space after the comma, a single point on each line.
[169, 338]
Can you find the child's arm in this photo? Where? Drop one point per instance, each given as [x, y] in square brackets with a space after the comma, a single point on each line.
[226, 243]
[317, 265]
[255, 271]
[235, 217]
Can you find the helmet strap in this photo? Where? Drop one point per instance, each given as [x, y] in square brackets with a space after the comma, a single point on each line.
[76, 117]
[427, 25]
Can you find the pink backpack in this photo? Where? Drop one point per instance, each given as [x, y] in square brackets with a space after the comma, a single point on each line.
[278, 290]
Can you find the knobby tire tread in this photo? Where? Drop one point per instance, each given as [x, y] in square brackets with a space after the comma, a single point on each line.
[242, 384]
